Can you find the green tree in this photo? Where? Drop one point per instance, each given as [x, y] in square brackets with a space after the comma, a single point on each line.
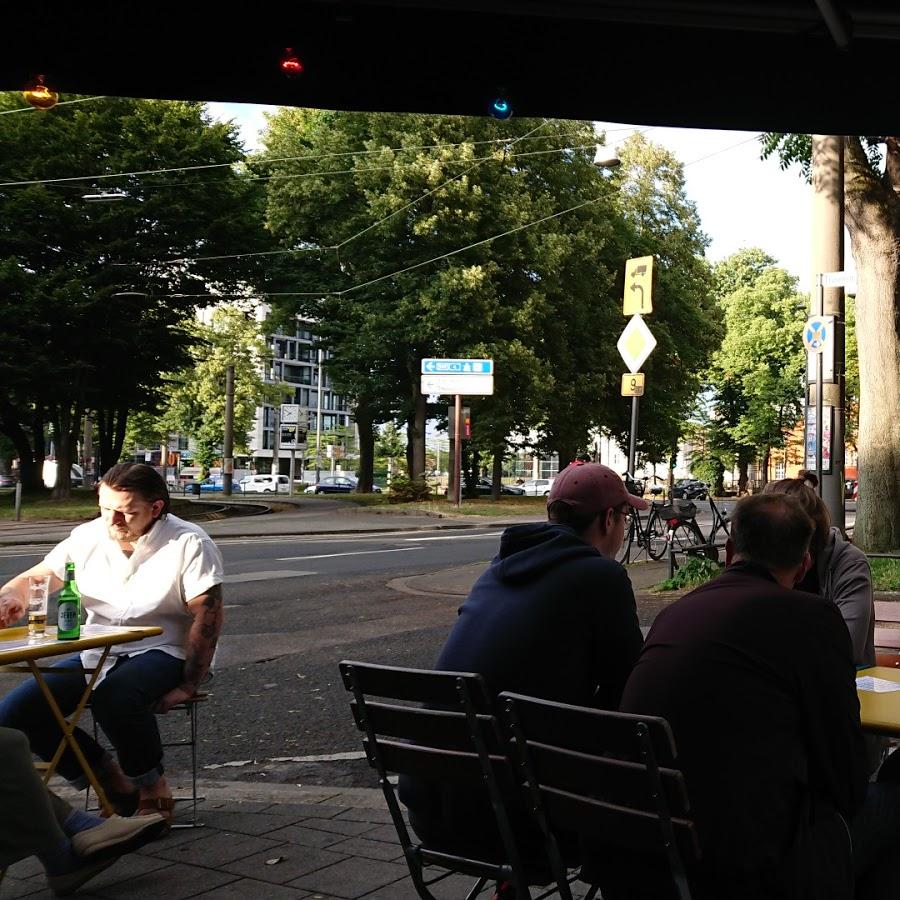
[196, 394]
[727, 403]
[872, 215]
[94, 297]
[414, 188]
[762, 363]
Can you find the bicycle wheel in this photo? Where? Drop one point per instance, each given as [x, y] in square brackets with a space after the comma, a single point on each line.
[624, 553]
[656, 536]
[687, 536]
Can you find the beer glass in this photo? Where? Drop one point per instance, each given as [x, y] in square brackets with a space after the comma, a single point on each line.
[38, 589]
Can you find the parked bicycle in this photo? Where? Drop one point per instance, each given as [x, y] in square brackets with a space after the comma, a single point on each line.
[645, 535]
[720, 522]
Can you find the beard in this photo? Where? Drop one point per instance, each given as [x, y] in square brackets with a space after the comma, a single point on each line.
[122, 534]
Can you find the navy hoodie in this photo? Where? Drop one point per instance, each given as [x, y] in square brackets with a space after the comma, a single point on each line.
[551, 617]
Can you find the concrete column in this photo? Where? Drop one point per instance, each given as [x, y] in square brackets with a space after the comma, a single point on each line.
[828, 256]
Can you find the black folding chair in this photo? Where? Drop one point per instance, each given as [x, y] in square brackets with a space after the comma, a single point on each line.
[452, 739]
[612, 777]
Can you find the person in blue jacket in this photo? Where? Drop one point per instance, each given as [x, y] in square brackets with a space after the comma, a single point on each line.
[553, 616]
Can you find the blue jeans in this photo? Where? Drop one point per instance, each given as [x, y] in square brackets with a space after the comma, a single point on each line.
[122, 705]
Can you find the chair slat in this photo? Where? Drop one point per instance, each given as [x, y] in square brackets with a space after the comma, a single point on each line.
[591, 731]
[432, 727]
[617, 781]
[451, 766]
[617, 826]
[415, 685]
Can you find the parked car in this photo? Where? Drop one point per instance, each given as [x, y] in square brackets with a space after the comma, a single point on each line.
[7, 481]
[690, 489]
[264, 484]
[483, 486]
[211, 484]
[536, 487]
[337, 484]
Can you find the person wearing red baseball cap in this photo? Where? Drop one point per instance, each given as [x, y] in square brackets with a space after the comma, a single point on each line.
[553, 616]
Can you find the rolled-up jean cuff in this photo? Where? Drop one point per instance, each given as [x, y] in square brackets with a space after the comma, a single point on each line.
[148, 779]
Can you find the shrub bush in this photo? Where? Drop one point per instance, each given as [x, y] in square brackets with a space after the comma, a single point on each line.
[407, 490]
[696, 571]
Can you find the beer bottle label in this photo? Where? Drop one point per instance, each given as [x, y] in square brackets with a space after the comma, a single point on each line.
[67, 619]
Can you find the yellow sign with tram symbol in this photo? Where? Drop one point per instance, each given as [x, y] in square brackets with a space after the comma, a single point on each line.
[637, 298]
[633, 384]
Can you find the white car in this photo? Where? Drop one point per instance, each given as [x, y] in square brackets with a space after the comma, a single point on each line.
[537, 487]
[264, 484]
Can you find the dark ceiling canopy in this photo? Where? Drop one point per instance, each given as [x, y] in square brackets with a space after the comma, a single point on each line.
[803, 65]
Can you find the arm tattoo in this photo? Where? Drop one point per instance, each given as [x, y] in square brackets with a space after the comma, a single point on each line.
[204, 634]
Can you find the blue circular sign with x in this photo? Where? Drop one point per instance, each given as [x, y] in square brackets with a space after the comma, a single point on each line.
[815, 335]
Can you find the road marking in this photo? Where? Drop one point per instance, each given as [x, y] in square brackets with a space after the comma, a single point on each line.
[264, 576]
[324, 757]
[454, 537]
[349, 553]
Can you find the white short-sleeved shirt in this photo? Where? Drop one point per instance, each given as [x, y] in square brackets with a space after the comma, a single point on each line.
[171, 564]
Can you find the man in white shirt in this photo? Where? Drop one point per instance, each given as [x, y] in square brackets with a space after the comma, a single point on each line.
[135, 565]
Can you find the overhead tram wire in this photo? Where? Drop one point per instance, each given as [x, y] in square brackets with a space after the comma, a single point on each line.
[306, 157]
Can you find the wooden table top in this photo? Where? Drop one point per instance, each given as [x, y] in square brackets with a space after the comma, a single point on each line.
[14, 646]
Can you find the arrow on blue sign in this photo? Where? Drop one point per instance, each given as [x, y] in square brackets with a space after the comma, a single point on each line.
[458, 366]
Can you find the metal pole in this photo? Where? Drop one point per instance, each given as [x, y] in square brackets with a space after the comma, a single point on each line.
[228, 440]
[828, 256]
[18, 500]
[276, 443]
[820, 431]
[633, 436]
[319, 419]
[457, 450]
[291, 481]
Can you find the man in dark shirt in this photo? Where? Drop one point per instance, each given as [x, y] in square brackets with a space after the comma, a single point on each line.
[758, 683]
[553, 616]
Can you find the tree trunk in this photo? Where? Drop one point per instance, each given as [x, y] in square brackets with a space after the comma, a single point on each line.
[873, 220]
[121, 415]
[365, 423]
[497, 473]
[65, 435]
[743, 476]
[764, 467]
[416, 437]
[877, 521]
[565, 452]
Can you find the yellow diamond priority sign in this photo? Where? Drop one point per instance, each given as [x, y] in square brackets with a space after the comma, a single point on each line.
[636, 343]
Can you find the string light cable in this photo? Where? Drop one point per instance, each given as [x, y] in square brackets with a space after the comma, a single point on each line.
[19, 109]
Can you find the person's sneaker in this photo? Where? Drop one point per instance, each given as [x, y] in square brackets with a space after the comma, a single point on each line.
[117, 836]
[68, 883]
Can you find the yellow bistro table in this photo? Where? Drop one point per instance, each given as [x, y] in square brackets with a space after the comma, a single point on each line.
[879, 711]
[17, 655]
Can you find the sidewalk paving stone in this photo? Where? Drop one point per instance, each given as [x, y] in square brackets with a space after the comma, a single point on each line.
[352, 878]
[215, 849]
[306, 837]
[245, 888]
[173, 882]
[298, 861]
[340, 826]
[360, 846]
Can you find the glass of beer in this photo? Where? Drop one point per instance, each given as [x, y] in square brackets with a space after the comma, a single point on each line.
[38, 589]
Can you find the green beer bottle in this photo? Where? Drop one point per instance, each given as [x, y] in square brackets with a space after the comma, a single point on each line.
[68, 617]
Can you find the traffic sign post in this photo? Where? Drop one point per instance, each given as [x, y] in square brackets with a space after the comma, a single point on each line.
[459, 377]
[638, 290]
[289, 437]
[635, 344]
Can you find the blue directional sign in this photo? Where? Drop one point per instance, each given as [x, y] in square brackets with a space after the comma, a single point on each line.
[457, 367]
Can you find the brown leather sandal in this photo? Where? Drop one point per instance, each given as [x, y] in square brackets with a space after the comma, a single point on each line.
[162, 805]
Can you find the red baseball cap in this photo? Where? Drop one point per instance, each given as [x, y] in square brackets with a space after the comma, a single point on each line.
[591, 488]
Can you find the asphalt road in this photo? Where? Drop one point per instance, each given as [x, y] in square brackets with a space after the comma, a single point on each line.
[294, 608]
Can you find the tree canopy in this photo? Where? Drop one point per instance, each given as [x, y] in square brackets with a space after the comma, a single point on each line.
[94, 296]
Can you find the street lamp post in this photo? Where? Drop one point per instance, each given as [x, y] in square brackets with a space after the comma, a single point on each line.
[319, 416]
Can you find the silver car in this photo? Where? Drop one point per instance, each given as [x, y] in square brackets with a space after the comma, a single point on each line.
[537, 487]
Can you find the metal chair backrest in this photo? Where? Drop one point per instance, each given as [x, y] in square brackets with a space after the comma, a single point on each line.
[612, 777]
[438, 726]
